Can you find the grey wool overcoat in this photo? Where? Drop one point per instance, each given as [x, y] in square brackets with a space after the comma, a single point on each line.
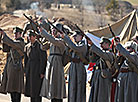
[127, 86]
[100, 86]
[54, 82]
[77, 72]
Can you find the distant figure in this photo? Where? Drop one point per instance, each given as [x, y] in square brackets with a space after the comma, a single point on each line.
[13, 75]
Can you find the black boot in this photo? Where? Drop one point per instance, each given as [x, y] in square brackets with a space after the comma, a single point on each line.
[15, 97]
[36, 99]
[18, 97]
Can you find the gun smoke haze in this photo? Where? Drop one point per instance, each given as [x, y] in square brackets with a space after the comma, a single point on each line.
[35, 7]
[87, 6]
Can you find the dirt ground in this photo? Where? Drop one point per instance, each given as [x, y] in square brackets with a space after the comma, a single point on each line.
[6, 98]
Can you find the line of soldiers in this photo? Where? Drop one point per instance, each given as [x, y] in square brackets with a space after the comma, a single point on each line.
[114, 78]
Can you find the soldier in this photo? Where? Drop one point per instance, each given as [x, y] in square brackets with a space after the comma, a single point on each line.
[13, 72]
[54, 82]
[77, 72]
[102, 78]
[35, 63]
[127, 88]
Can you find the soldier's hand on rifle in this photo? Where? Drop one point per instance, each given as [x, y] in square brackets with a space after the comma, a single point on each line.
[89, 41]
[40, 29]
[117, 40]
[62, 35]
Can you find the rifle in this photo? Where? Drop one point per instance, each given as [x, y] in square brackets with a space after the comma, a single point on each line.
[113, 34]
[86, 59]
[54, 26]
[81, 31]
[116, 39]
[31, 21]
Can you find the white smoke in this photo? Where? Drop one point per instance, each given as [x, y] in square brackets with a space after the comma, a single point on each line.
[87, 5]
[35, 7]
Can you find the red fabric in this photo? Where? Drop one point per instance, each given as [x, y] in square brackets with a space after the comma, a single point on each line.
[113, 92]
[112, 42]
[90, 68]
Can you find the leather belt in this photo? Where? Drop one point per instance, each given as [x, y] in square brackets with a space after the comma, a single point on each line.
[125, 70]
[57, 54]
[75, 60]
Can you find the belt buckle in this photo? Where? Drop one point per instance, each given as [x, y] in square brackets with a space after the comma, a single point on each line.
[114, 80]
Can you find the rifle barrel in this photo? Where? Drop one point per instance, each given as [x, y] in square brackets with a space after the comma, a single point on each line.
[31, 20]
[81, 31]
[113, 34]
[54, 26]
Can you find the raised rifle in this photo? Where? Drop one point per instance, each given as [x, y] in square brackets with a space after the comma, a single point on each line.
[81, 31]
[54, 26]
[31, 21]
[113, 34]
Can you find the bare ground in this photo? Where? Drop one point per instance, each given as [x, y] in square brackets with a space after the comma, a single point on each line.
[6, 98]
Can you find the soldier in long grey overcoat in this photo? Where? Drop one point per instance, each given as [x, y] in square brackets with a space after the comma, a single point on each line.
[13, 74]
[127, 88]
[102, 77]
[77, 72]
[53, 86]
[35, 63]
